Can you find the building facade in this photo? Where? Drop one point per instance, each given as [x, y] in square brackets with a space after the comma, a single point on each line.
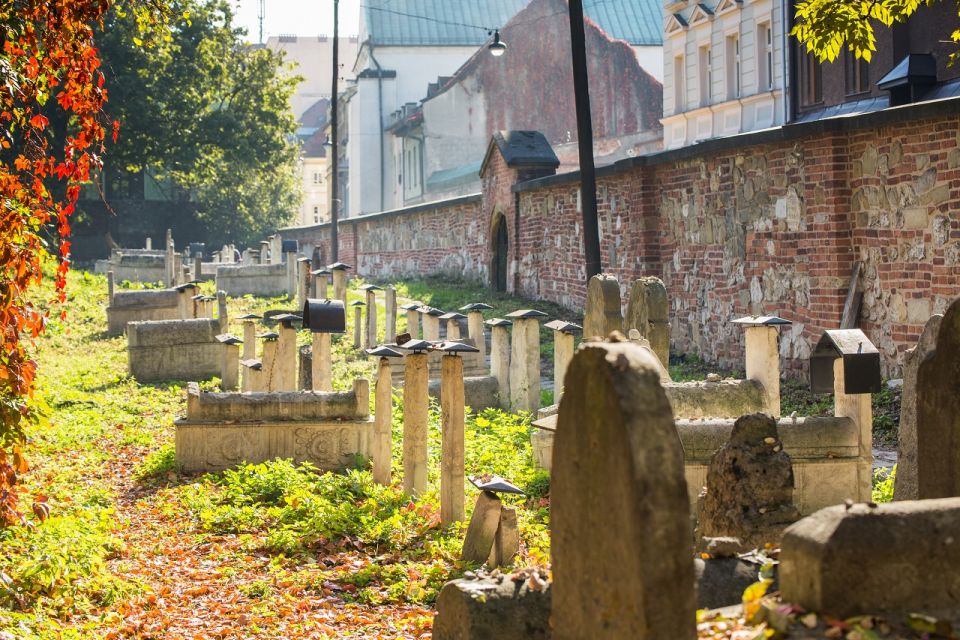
[724, 69]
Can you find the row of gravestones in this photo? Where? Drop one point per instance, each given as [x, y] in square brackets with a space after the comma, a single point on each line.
[622, 539]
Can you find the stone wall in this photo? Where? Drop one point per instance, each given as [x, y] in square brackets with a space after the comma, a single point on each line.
[766, 222]
[253, 279]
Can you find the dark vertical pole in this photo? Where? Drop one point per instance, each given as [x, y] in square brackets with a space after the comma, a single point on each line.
[588, 179]
[334, 140]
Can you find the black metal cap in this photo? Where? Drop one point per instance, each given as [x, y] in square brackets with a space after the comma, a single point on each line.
[371, 287]
[339, 266]
[452, 315]
[411, 306]
[494, 484]
[252, 364]
[760, 321]
[498, 322]
[358, 303]
[417, 346]
[563, 326]
[475, 306]
[320, 272]
[384, 351]
[287, 319]
[526, 313]
[450, 346]
[304, 259]
[186, 285]
[227, 338]
[324, 316]
[431, 311]
[268, 335]
[249, 316]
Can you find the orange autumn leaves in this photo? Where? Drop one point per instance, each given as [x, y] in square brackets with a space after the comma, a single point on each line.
[48, 52]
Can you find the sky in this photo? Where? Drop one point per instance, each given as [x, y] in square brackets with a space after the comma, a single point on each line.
[297, 17]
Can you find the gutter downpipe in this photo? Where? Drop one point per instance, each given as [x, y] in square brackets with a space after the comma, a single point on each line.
[788, 97]
[379, 118]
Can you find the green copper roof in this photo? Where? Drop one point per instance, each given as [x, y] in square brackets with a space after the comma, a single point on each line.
[458, 22]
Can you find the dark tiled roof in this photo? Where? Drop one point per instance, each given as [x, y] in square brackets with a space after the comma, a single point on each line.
[522, 149]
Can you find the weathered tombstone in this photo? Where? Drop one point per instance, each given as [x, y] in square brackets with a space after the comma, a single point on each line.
[563, 341]
[416, 405]
[285, 369]
[621, 533]
[749, 492]
[602, 313]
[937, 399]
[149, 244]
[453, 417]
[390, 310]
[525, 360]
[856, 559]
[494, 607]
[268, 361]
[383, 416]
[413, 318]
[453, 324]
[249, 336]
[110, 288]
[906, 483]
[492, 534]
[303, 279]
[339, 270]
[762, 356]
[323, 318]
[252, 380]
[370, 335]
[357, 323]
[230, 362]
[321, 283]
[430, 317]
[500, 357]
[648, 312]
[475, 330]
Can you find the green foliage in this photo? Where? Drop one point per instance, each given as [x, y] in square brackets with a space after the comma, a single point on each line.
[827, 26]
[202, 110]
[157, 463]
[883, 481]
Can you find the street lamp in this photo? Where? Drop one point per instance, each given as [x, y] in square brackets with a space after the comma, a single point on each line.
[497, 48]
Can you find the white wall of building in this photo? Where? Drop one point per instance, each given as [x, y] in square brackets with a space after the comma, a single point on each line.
[314, 186]
[312, 57]
[723, 69]
[651, 59]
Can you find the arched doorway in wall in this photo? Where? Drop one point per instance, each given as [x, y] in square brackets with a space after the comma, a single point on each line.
[500, 244]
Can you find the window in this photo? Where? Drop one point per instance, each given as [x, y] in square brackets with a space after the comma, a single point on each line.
[706, 75]
[811, 80]
[678, 85]
[316, 215]
[317, 178]
[733, 67]
[857, 74]
[765, 61]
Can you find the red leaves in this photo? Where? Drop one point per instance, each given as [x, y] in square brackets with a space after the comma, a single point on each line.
[47, 52]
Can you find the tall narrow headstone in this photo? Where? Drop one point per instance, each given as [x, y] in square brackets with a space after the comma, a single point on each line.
[602, 313]
[357, 323]
[110, 287]
[431, 323]
[475, 330]
[620, 516]
[383, 423]
[452, 412]
[416, 405]
[563, 343]
[339, 270]
[648, 311]
[303, 279]
[370, 335]
[321, 375]
[500, 357]
[285, 368]
[413, 319]
[390, 309]
[525, 360]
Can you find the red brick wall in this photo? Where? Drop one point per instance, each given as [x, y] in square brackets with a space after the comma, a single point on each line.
[769, 227]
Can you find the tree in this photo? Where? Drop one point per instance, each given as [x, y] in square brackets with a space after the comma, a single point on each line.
[49, 65]
[206, 113]
[826, 26]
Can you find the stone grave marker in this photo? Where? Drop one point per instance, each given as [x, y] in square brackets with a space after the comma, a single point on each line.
[621, 532]
[648, 311]
[602, 313]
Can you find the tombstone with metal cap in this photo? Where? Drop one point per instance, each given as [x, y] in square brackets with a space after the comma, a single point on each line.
[339, 270]
[846, 362]
[357, 322]
[453, 417]
[492, 535]
[252, 380]
[285, 369]
[230, 361]
[390, 314]
[416, 406]
[413, 318]
[762, 356]
[323, 318]
[264, 255]
[321, 283]
[370, 335]
[268, 360]
[249, 335]
[500, 357]
[303, 279]
[453, 319]
[186, 304]
[430, 317]
[563, 342]
[383, 414]
[474, 312]
[525, 360]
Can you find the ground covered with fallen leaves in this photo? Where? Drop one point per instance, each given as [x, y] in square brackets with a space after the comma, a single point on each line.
[133, 549]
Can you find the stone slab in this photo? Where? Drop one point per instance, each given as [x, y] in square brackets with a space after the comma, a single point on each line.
[254, 279]
[492, 609]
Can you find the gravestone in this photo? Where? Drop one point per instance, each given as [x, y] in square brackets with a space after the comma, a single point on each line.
[749, 492]
[602, 313]
[648, 312]
[621, 532]
[930, 413]
[494, 608]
